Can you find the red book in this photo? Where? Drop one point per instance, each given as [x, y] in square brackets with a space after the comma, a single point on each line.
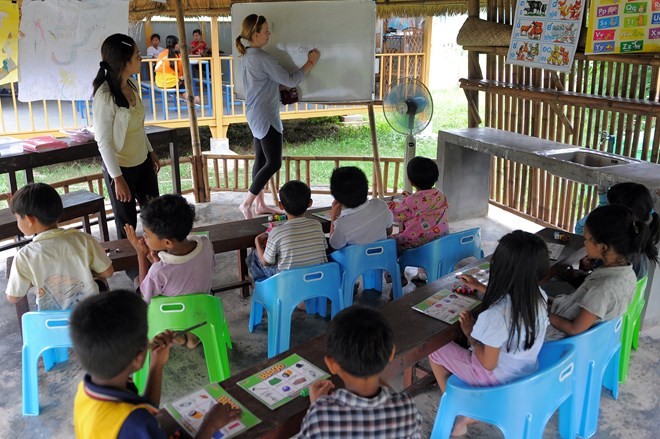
[43, 143]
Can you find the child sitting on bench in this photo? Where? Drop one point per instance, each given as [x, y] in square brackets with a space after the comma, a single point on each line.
[61, 264]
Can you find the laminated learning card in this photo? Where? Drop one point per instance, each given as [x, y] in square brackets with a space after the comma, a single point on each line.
[480, 273]
[446, 305]
[282, 381]
[190, 411]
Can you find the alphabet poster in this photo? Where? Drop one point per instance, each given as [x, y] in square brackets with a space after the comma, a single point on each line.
[545, 33]
[60, 46]
[623, 26]
[8, 42]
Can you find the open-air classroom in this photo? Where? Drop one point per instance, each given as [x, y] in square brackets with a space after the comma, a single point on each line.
[503, 285]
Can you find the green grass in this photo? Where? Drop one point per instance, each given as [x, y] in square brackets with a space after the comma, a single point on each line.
[450, 111]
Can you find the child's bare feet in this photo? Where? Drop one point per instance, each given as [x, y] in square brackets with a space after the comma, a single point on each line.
[193, 341]
[461, 426]
[247, 211]
[265, 209]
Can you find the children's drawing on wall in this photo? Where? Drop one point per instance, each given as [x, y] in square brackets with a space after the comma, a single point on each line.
[60, 44]
[8, 42]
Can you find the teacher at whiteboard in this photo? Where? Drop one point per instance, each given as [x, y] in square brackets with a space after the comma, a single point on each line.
[262, 76]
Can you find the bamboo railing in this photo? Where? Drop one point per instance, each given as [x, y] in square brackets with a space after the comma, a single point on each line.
[232, 172]
[604, 102]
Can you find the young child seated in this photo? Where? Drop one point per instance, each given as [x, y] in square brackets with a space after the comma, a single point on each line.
[109, 334]
[360, 344]
[172, 262]
[611, 235]
[353, 218]
[422, 215]
[61, 264]
[508, 333]
[197, 46]
[297, 243]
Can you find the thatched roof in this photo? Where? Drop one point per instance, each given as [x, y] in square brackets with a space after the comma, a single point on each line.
[140, 9]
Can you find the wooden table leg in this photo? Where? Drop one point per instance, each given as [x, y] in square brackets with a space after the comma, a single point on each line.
[408, 377]
[243, 272]
[22, 307]
[12, 182]
[103, 223]
[87, 225]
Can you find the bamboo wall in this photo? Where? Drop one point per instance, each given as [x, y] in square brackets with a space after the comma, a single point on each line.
[610, 95]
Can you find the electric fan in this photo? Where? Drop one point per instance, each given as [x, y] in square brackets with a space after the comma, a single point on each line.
[408, 108]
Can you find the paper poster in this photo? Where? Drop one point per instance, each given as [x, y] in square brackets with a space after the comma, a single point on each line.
[283, 381]
[8, 42]
[623, 26]
[60, 46]
[446, 306]
[545, 33]
[189, 411]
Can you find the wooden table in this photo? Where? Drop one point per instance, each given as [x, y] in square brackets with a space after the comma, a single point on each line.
[27, 161]
[231, 236]
[415, 336]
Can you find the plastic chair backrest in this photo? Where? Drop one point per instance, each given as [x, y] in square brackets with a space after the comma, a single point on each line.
[515, 408]
[439, 256]
[368, 260]
[180, 312]
[280, 294]
[630, 330]
[597, 353]
[43, 333]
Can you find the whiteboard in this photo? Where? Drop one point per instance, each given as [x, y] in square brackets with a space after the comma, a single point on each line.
[344, 31]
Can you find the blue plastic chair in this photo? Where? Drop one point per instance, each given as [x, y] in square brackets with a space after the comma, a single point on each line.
[516, 408]
[281, 293]
[597, 354]
[368, 260]
[439, 256]
[47, 333]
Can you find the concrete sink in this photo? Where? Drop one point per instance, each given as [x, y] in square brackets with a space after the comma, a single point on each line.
[588, 157]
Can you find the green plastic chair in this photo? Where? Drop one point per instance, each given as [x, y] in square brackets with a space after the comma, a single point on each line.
[181, 312]
[631, 324]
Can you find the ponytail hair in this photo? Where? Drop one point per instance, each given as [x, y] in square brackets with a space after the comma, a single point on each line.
[170, 44]
[638, 199]
[616, 226]
[251, 25]
[116, 52]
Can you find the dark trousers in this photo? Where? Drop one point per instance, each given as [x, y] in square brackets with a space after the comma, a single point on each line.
[267, 159]
[143, 184]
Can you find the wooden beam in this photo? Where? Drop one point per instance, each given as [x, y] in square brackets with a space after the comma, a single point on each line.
[473, 107]
[560, 112]
[374, 145]
[428, 36]
[216, 76]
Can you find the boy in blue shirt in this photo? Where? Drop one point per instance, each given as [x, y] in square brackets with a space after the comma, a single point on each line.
[109, 334]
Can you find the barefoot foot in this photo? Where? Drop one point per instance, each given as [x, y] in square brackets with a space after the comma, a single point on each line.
[266, 210]
[247, 211]
[461, 426]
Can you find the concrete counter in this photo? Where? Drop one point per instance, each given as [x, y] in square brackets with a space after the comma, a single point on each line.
[464, 161]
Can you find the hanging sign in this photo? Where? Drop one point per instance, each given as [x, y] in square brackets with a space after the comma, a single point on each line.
[545, 33]
[623, 27]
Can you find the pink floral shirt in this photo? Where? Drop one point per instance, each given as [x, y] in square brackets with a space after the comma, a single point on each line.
[423, 216]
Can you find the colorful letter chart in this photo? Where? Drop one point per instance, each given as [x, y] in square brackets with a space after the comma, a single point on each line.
[190, 410]
[545, 33]
[620, 26]
[446, 306]
[283, 381]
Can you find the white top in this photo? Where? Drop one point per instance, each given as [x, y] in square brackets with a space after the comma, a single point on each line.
[111, 124]
[153, 53]
[606, 293]
[492, 329]
[262, 76]
[298, 243]
[59, 264]
[364, 224]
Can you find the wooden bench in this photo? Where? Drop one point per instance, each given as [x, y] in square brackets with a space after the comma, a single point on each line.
[76, 205]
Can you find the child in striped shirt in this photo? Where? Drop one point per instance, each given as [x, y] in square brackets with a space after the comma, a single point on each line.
[297, 243]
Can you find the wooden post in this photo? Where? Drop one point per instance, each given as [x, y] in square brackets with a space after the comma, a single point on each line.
[474, 72]
[148, 31]
[216, 77]
[374, 145]
[428, 35]
[199, 187]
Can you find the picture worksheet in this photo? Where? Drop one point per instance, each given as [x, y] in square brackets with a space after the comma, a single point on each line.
[446, 305]
[283, 381]
[190, 411]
